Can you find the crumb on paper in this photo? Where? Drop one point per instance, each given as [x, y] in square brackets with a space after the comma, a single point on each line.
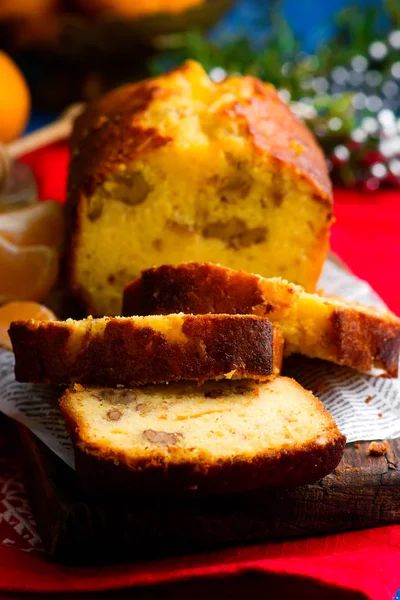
[379, 415]
[368, 399]
[356, 445]
[348, 467]
[378, 448]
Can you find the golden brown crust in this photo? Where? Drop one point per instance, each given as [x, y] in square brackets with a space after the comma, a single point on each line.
[365, 340]
[102, 470]
[290, 469]
[126, 352]
[356, 336]
[196, 288]
[277, 133]
[105, 135]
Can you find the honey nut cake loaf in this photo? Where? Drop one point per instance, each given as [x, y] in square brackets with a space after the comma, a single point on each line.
[222, 437]
[180, 168]
[343, 332]
[138, 350]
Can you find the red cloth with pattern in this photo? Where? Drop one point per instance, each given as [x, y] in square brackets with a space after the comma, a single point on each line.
[363, 564]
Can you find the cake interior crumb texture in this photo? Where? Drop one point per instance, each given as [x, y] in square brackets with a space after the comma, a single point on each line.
[209, 424]
[181, 168]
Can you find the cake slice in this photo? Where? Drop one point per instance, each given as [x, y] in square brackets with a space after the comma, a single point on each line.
[138, 350]
[222, 437]
[332, 329]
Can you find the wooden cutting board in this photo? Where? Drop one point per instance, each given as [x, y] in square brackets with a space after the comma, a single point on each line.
[364, 491]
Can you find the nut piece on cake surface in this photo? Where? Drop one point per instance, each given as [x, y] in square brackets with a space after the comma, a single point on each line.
[138, 350]
[251, 435]
[319, 327]
[179, 168]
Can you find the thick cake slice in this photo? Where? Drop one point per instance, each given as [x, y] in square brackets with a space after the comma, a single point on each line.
[139, 350]
[225, 436]
[321, 327]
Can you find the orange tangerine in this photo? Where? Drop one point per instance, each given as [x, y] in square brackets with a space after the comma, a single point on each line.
[17, 311]
[26, 273]
[39, 223]
[14, 100]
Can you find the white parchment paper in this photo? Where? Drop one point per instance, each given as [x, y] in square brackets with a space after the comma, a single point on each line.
[364, 407]
[36, 407]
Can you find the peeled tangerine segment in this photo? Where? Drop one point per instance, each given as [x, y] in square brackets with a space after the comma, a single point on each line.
[21, 310]
[39, 223]
[26, 273]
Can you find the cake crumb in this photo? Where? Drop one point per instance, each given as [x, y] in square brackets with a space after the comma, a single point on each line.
[379, 415]
[356, 445]
[377, 448]
[368, 399]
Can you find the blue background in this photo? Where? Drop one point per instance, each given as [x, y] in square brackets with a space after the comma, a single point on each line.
[311, 20]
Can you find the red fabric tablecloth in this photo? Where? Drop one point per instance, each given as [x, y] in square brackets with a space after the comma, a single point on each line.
[363, 564]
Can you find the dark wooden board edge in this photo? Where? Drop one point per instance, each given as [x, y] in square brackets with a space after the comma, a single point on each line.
[364, 491]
